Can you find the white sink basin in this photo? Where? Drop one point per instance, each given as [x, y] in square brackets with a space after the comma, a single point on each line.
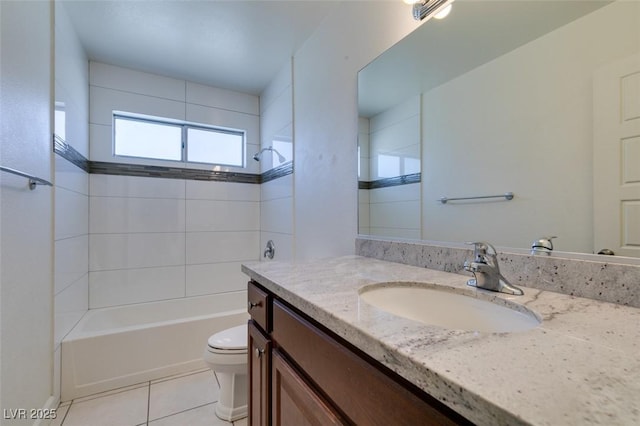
[441, 306]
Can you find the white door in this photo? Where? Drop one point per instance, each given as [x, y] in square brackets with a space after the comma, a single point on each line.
[616, 153]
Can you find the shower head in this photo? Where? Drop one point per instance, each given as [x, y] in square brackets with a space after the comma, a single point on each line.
[258, 156]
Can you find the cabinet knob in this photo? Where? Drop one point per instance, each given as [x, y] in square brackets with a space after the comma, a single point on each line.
[254, 304]
[259, 352]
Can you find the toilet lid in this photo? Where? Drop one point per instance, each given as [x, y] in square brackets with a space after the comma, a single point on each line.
[231, 338]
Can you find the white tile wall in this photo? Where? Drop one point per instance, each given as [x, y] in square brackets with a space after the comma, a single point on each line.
[363, 146]
[276, 210]
[104, 101]
[123, 215]
[199, 227]
[392, 211]
[199, 190]
[115, 88]
[218, 215]
[154, 238]
[125, 286]
[72, 212]
[128, 80]
[139, 187]
[71, 304]
[71, 260]
[136, 250]
[395, 132]
[71, 204]
[212, 278]
[213, 247]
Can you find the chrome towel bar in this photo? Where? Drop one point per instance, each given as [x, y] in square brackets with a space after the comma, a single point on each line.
[507, 196]
[33, 180]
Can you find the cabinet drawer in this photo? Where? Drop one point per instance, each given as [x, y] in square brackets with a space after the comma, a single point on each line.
[259, 306]
[365, 393]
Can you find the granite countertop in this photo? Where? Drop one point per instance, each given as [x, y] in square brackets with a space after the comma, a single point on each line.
[581, 365]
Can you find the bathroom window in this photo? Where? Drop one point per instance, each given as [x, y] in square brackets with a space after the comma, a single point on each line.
[163, 139]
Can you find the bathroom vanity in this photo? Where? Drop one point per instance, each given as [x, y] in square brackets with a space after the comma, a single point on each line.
[299, 370]
[319, 354]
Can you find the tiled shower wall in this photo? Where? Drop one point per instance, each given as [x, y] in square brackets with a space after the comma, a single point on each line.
[156, 238]
[71, 240]
[394, 136]
[276, 205]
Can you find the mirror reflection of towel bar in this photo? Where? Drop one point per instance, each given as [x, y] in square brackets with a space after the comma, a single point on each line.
[507, 196]
[33, 180]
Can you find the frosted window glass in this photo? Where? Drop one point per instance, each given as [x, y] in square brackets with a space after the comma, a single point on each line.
[60, 123]
[135, 138]
[210, 146]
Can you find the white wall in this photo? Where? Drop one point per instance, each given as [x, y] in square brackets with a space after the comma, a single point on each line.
[155, 238]
[26, 217]
[72, 186]
[526, 129]
[326, 121]
[276, 199]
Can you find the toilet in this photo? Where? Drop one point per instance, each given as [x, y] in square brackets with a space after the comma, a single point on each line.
[226, 355]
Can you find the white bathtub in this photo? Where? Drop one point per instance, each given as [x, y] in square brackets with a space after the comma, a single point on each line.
[120, 346]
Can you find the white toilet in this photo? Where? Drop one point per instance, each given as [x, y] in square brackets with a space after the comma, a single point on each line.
[226, 355]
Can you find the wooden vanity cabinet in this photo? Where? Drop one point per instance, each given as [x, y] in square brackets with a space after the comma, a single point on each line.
[259, 362]
[317, 378]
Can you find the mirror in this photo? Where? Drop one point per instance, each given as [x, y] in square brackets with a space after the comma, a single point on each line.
[501, 96]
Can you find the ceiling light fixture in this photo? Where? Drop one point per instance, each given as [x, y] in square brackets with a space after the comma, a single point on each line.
[424, 9]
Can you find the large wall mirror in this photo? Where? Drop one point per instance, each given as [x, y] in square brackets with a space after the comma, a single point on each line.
[537, 98]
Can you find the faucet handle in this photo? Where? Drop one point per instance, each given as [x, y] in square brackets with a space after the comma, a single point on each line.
[542, 245]
[480, 250]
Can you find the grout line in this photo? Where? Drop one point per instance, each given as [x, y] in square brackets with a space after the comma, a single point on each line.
[66, 413]
[148, 401]
[115, 391]
[180, 376]
[188, 409]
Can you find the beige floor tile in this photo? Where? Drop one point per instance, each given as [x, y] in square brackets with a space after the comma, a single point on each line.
[174, 396]
[127, 408]
[201, 416]
[61, 411]
[241, 422]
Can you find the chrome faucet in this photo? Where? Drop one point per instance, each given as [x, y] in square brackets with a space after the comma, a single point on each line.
[486, 271]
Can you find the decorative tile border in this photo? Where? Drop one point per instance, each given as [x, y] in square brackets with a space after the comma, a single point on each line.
[67, 152]
[606, 281]
[277, 172]
[105, 168]
[393, 181]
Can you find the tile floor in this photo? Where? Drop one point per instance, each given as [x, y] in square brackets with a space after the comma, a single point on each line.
[183, 400]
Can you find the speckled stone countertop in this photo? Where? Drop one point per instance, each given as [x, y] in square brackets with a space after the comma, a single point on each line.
[581, 365]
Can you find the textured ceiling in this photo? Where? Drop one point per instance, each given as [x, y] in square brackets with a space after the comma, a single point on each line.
[238, 45]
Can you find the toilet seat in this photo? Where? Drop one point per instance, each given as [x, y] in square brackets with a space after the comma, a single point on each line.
[231, 341]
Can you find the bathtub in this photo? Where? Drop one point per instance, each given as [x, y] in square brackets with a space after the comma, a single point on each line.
[124, 345]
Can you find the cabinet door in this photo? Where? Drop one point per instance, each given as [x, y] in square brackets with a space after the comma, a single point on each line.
[259, 362]
[294, 402]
